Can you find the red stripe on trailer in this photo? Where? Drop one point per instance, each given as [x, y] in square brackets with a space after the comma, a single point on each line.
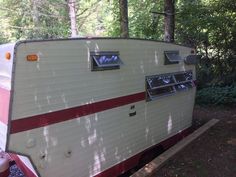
[42, 120]
[27, 172]
[4, 105]
[133, 161]
[121, 167]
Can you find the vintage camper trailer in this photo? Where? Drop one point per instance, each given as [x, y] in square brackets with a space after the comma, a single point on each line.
[92, 106]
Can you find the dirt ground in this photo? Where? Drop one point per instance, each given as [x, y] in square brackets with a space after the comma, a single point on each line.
[213, 154]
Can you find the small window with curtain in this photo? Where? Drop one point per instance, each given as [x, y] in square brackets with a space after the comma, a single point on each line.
[105, 60]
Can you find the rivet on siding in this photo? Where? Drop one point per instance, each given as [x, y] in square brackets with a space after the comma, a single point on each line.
[68, 153]
[42, 156]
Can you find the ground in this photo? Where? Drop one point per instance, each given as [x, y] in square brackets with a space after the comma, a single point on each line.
[213, 154]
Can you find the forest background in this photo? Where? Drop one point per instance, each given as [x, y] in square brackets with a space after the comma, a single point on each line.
[207, 25]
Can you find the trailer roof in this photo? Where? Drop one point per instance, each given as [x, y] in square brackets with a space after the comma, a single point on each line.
[95, 38]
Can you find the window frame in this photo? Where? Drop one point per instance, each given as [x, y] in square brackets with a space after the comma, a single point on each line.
[169, 60]
[96, 66]
[161, 75]
[184, 74]
[187, 84]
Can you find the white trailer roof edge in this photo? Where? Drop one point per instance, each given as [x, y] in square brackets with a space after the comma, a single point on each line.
[98, 38]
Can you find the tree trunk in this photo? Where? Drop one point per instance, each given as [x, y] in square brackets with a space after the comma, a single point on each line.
[35, 13]
[169, 21]
[72, 13]
[124, 22]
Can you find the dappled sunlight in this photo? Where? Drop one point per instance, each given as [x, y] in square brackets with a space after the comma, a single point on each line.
[146, 131]
[92, 138]
[98, 160]
[142, 66]
[156, 58]
[48, 99]
[117, 156]
[38, 66]
[46, 136]
[96, 168]
[63, 97]
[83, 142]
[88, 53]
[96, 48]
[49, 139]
[169, 124]
[36, 100]
[88, 125]
[183, 67]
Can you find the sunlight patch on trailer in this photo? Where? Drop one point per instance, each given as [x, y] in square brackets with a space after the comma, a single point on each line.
[170, 124]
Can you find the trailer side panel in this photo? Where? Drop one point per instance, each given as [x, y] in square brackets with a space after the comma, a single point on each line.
[63, 113]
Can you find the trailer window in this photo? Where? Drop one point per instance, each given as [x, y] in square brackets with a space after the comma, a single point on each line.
[172, 57]
[189, 75]
[160, 80]
[167, 84]
[184, 86]
[184, 76]
[105, 60]
[155, 93]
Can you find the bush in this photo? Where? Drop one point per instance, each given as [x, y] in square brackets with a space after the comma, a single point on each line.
[216, 95]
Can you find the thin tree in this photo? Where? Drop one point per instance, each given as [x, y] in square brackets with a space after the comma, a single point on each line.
[72, 13]
[124, 22]
[169, 21]
[35, 12]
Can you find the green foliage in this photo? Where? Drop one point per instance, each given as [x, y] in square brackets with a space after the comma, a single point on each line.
[210, 26]
[207, 25]
[217, 96]
[113, 26]
[45, 19]
[3, 39]
[217, 72]
[142, 23]
[29, 19]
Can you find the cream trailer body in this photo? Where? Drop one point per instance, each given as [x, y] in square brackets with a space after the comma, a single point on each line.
[92, 107]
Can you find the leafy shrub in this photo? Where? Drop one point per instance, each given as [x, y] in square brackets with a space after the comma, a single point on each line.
[216, 96]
